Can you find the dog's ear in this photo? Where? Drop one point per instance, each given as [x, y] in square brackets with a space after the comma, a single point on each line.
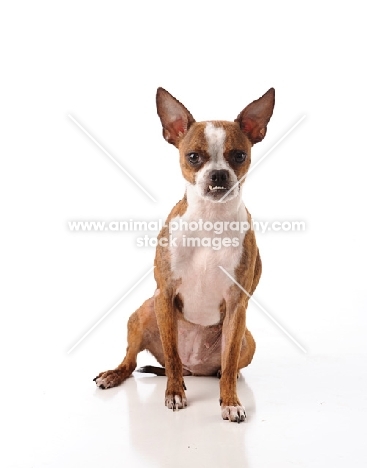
[255, 117]
[175, 118]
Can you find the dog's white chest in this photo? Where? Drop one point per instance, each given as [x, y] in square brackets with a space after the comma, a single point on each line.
[203, 285]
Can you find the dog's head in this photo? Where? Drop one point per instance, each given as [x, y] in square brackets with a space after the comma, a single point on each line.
[214, 155]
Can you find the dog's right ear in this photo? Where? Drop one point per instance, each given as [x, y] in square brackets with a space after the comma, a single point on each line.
[175, 118]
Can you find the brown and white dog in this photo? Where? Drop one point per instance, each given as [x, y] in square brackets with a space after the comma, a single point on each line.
[195, 324]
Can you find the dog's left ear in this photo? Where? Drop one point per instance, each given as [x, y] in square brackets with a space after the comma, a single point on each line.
[175, 118]
[255, 117]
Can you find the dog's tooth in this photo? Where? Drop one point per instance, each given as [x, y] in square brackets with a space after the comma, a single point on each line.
[216, 187]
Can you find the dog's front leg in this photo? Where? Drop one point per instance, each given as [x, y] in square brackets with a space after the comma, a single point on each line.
[166, 315]
[234, 327]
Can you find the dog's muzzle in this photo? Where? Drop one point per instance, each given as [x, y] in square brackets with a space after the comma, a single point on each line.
[218, 183]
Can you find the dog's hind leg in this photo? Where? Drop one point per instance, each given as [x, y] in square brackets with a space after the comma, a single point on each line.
[139, 325]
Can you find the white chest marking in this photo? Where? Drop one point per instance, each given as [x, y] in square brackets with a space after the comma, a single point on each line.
[203, 285]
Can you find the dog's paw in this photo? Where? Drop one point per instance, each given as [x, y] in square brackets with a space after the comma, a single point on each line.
[175, 396]
[233, 413]
[109, 379]
[176, 402]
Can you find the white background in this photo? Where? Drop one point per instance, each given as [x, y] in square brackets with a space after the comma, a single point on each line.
[101, 62]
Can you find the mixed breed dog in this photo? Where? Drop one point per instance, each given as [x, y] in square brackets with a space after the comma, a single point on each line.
[195, 323]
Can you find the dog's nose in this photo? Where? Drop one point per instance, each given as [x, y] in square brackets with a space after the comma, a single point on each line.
[219, 176]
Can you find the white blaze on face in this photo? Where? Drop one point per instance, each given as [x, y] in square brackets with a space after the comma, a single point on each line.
[215, 137]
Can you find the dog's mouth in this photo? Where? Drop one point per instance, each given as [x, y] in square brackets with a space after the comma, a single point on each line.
[216, 191]
[215, 188]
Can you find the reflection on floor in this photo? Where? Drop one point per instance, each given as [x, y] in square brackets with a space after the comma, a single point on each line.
[302, 411]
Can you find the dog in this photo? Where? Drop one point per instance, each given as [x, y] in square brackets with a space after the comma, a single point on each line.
[195, 323]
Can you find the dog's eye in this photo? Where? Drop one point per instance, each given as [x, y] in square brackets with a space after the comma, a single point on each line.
[194, 159]
[239, 156]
